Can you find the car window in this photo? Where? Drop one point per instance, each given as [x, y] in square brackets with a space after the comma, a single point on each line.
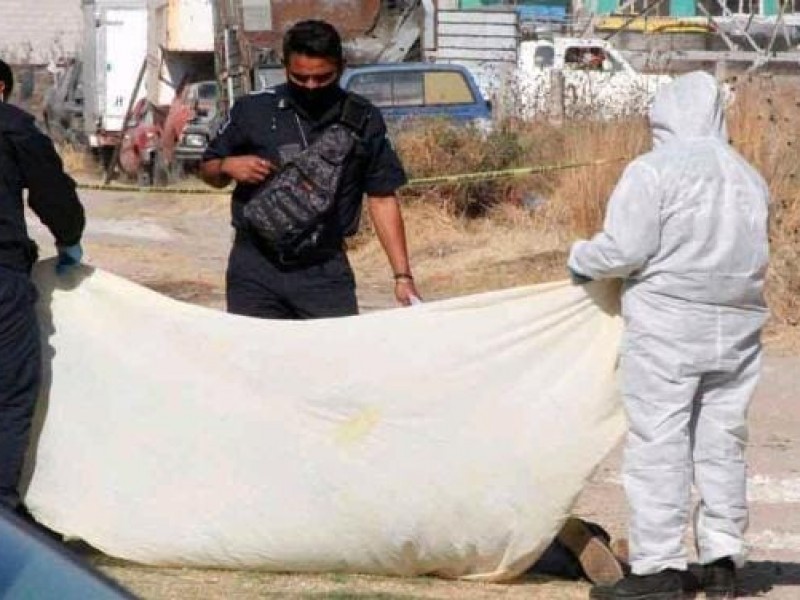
[407, 89]
[585, 58]
[412, 88]
[572, 58]
[544, 56]
[375, 87]
[447, 87]
[207, 91]
[268, 77]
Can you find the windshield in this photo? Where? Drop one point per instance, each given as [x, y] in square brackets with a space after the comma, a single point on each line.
[207, 91]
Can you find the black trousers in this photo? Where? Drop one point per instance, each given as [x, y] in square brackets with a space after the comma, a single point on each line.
[20, 377]
[258, 285]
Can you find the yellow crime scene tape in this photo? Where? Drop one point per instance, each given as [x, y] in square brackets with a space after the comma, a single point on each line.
[455, 179]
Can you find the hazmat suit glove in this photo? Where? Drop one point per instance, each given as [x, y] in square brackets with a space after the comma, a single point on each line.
[68, 257]
[578, 278]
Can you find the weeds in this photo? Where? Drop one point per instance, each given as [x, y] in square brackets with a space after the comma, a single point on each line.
[76, 160]
[563, 205]
[763, 126]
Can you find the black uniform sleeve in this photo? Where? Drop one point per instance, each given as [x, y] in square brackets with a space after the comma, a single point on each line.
[51, 192]
[385, 173]
[231, 138]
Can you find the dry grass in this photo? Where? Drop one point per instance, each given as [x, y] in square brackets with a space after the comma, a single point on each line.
[579, 201]
[210, 584]
[764, 123]
[477, 236]
[76, 161]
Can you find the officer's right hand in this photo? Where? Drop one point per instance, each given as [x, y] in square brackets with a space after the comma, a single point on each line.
[246, 169]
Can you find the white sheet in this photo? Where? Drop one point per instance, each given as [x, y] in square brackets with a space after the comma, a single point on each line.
[449, 438]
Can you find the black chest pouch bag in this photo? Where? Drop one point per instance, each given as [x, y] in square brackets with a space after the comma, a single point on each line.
[289, 211]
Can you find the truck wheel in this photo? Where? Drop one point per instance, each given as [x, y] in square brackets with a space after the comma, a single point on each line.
[143, 177]
[161, 172]
[178, 171]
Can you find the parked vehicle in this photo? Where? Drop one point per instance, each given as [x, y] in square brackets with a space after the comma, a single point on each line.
[192, 120]
[404, 91]
[36, 566]
[180, 47]
[113, 55]
[598, 80]
[170, 130]
[137, 156]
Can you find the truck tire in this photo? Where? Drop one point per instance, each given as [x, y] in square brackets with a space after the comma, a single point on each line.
[144, 176]
[161, 170]
[177, 170]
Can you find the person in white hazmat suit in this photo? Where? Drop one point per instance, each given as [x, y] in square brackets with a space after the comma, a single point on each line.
[686, 228]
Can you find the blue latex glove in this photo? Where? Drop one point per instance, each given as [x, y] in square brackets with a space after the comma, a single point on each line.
[578, 278]
[68, 258]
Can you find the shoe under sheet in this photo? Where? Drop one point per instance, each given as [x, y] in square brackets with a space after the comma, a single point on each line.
[451, 438]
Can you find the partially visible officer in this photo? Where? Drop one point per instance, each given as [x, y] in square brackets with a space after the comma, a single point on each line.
[29, 161]
[266, 129]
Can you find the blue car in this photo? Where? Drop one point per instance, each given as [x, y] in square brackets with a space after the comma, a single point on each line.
[420, 90]
[405, 91]
[34, 566]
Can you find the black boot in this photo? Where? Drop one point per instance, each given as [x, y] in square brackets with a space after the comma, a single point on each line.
[665, 585]
[589, 545]
[719, 579]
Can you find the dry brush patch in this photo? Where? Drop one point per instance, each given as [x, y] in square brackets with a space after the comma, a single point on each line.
[512, 231]
[77, 161]
[764, 124]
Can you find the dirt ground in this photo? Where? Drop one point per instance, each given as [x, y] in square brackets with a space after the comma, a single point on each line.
[178, 245]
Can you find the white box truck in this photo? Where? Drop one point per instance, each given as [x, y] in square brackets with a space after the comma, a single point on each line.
[115, 48]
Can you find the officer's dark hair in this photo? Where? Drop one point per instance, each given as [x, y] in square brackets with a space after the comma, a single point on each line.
[7, 77]
[313, 38]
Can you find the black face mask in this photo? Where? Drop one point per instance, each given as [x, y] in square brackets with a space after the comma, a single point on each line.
[315, 101]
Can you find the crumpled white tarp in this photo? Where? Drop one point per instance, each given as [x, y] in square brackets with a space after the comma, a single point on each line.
[450, 438]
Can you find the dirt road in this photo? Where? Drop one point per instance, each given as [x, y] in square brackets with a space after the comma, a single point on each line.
[178, 245]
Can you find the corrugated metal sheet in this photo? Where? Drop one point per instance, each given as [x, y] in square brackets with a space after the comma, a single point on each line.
[352, 18]
[480, 35]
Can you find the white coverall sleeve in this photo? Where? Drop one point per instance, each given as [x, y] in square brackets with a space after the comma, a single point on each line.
[631, 232]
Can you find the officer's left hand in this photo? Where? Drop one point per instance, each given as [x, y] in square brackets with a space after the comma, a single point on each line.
[405, 291]
[69, 257]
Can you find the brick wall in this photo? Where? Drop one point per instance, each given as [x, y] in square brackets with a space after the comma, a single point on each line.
[39, 31]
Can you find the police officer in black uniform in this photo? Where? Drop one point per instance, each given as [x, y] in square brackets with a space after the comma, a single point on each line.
[29, 161]
[267, 129]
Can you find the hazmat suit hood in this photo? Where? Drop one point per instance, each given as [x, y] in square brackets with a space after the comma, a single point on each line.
[691, 106]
